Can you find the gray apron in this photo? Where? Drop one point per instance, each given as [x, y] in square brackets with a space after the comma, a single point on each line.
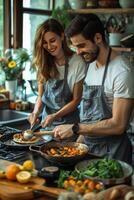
[94, 107]
[56, 95]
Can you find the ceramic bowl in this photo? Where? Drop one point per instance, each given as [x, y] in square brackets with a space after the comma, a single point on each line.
[125, 179]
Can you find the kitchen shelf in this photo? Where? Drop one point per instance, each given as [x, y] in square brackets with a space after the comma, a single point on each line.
[103, 11]
[106, 11]
[123, 49]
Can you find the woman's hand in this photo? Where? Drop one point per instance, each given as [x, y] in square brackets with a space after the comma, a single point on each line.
[33, 118]
[63, 131]
[48, 120]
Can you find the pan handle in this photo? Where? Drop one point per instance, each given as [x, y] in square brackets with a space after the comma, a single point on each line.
[35, 149]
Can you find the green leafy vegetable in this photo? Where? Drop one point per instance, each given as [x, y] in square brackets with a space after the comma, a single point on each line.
[105, 168]
[64, 175]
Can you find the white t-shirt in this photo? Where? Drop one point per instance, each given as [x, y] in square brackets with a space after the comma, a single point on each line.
[76, 70]
[119, 82]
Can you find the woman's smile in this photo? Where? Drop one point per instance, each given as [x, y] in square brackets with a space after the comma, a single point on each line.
[52, 43]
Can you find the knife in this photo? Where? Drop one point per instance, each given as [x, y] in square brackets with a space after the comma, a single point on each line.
[36, 127]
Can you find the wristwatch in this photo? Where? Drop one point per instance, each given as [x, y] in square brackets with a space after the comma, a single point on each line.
[75, 128]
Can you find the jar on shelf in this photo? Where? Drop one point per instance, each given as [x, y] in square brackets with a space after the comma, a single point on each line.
[108, 3]
[92, 4]
[77, 4]
[126, 3]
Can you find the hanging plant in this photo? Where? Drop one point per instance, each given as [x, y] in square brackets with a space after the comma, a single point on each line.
[62, 15]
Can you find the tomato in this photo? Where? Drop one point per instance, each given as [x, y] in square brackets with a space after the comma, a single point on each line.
[91, 185]
[66, 184]
[71, 182]
[79, 182]
[99, 186]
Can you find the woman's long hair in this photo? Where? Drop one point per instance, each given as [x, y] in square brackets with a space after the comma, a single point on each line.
[43, 60]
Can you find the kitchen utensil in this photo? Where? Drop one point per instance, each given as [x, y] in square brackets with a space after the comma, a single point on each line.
[115, 25]
[49, 173]
[127, 170]
[61, 160]
[35, 127]
[28, 134]
[19, 138]
[7, 140]
[128, 41]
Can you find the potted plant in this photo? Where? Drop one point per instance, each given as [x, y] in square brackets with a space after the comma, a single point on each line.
[62, 15]
[12, 63]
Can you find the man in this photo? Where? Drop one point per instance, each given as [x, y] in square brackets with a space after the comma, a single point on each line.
[108, 92]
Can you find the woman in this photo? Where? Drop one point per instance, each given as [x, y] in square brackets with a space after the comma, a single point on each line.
[60, 77]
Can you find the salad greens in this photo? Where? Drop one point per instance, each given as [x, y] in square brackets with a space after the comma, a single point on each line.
[104, 168]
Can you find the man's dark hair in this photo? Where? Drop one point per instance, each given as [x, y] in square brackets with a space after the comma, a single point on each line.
[87, 25]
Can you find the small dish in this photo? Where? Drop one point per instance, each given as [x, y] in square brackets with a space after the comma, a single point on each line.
[50, 173]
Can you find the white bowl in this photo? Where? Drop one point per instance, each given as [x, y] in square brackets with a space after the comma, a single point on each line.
[126, 3]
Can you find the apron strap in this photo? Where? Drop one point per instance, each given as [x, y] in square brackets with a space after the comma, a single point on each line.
[65, 75]
[106, 66]
[66, 70]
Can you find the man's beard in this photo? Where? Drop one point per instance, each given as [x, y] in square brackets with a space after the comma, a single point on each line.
[92, 56]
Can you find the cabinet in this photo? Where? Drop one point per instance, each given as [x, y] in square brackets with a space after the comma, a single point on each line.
[127, 11]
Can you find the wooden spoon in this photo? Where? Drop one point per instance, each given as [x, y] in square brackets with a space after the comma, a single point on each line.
[28, 134]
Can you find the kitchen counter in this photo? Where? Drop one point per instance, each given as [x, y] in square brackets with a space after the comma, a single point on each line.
[38, 160]
[12, 117]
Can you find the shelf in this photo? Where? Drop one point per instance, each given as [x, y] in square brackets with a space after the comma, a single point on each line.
[123, 49]
[103, 11]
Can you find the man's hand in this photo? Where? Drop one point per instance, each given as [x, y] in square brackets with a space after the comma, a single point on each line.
[63, 131]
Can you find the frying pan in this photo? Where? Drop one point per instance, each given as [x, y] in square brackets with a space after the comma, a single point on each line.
[8, 141]
[60, 160]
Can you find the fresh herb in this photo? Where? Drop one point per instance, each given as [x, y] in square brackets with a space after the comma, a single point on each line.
[64, 175]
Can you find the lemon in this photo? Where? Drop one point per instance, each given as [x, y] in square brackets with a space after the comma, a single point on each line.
[28, 165]
[2, 174]
[21, 167]
[23, 177]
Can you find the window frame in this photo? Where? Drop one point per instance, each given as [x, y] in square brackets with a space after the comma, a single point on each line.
[18, 11]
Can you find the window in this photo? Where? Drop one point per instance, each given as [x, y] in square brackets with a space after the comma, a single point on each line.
[1, 24]
[43, 5]
[34, 13]
[20, 19]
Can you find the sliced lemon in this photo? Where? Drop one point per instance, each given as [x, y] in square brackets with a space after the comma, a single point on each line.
[28, 165]
[23, 177]
[2, 174]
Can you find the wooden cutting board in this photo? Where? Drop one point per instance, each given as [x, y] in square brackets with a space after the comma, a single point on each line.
[12, 190]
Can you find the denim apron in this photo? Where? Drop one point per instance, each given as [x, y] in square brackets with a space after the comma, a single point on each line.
[56, 95]
[94, 107]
